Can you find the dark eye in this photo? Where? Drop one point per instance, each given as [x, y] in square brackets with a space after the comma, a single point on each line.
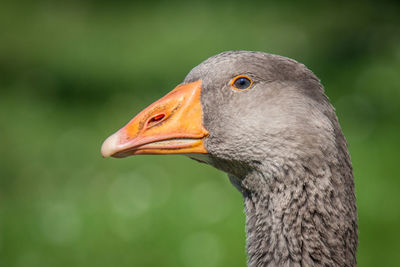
[242, 82]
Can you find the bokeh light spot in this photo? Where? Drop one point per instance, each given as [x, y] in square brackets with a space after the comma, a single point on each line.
[130, 195]
[61, 223]
[201, 249]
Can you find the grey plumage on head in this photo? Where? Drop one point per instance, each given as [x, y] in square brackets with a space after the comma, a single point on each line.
[281, 144]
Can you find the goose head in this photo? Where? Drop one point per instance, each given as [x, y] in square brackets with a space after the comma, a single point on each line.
[233, 111]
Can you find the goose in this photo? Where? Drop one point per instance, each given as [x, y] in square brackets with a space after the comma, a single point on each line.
[265, 120]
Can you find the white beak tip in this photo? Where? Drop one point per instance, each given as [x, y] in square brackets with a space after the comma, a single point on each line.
[110, 145]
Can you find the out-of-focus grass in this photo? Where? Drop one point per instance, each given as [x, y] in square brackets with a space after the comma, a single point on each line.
[72, 73]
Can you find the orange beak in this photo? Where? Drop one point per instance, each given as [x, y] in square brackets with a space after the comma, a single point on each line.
[171, 125]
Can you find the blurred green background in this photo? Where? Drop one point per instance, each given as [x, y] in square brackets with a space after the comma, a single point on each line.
[72, 73]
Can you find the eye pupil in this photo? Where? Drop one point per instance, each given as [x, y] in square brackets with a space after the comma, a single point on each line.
[242, 83]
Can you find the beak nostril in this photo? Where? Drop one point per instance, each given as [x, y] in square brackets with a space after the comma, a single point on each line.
[155, 119]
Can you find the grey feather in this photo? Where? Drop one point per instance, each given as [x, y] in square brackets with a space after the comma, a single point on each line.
[281, 144]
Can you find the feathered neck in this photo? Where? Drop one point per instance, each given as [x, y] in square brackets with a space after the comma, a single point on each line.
[302, 213]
